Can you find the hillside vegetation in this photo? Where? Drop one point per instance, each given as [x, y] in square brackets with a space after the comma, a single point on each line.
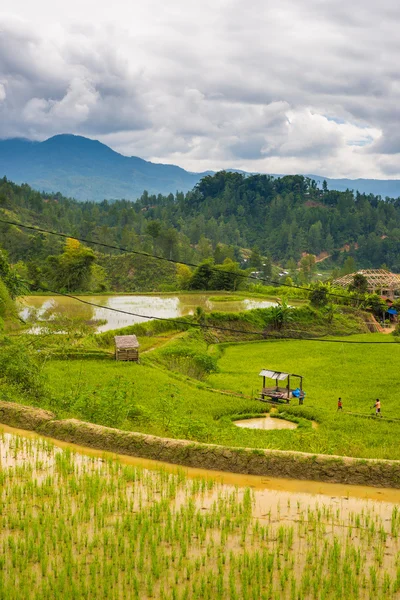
[230, 220]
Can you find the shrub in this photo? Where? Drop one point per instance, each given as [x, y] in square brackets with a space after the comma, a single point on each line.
[20, 367]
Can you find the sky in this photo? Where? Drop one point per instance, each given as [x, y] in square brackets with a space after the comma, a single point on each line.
[287, 86]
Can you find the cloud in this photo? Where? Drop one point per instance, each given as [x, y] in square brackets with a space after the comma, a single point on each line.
[294, 85]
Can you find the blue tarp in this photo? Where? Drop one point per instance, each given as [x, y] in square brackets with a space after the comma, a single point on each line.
[392, 311]
[297, 393]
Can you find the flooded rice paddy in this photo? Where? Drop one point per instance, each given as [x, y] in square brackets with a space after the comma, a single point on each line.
[83, 524]
[265, 423]
[165, 306]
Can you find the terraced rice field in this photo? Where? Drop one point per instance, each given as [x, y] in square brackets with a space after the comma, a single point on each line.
[76, 525]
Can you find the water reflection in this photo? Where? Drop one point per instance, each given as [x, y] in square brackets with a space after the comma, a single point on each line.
[167, 307]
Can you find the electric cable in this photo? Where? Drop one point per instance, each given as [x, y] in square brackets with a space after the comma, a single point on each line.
[267, 281]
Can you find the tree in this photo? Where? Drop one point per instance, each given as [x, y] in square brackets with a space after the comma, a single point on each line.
[201, 278]
[183, 275]
[375, 303]
[307, 267]
[267, 268]
[222, 251]
[98, 279]
[153, 229]
[329, 244]
[315, 238]
[72, 269]
[204, 248]
[255, 259]
[349, 266]
[16, 286]
[319, 296]
[359, 284]
[291, 266]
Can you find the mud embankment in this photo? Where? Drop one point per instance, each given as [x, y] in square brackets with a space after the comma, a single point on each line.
[268, 463]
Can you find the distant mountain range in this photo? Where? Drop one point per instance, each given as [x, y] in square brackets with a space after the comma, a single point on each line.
[387, 188]
[86, 169]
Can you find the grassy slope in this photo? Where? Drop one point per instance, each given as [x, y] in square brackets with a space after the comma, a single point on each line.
[193, 412]
[358, 374]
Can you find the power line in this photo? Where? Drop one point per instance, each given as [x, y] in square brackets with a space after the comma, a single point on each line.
[163, 258]
[205, 326]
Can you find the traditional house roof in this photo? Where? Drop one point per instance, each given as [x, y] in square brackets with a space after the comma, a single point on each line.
[125, 342]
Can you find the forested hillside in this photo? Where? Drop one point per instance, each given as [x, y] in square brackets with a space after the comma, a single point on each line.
[227, 217]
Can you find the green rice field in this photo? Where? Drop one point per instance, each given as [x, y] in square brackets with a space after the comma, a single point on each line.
[74, 526]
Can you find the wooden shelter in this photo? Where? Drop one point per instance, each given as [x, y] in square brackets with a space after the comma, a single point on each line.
[278, 393]
[126, 347]
[380, 282]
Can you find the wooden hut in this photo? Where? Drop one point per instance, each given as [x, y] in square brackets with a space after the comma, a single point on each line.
[126, 347]
[277, 393]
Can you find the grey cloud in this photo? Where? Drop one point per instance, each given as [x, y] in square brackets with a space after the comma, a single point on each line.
[51, 89]
[222, 81]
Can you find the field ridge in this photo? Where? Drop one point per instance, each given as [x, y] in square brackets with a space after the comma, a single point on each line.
[272, 463]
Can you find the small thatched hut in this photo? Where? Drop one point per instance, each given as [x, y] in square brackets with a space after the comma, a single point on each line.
[126, 347]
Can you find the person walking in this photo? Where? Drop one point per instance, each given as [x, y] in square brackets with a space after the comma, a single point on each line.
[377, 407]
[339, 404]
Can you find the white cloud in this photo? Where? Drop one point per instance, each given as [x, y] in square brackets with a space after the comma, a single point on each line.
[294, 85]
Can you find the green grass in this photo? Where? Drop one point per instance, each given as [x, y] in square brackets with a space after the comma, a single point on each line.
[147, 398]
[151, 398]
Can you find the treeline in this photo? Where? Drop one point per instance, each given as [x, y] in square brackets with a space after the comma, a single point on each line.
[228, 218]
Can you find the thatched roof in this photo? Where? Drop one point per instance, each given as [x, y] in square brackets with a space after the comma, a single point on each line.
[125, 342]
[378, 279]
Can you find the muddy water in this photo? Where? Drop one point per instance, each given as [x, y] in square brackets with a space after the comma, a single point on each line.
[168, 307]
[265, 423]
[268, 491]
[68, 510]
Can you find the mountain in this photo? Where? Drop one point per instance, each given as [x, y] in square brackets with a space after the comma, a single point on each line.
[86, 169]
[378, 187]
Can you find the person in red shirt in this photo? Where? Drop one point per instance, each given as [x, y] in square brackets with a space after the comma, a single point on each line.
[339, 404]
